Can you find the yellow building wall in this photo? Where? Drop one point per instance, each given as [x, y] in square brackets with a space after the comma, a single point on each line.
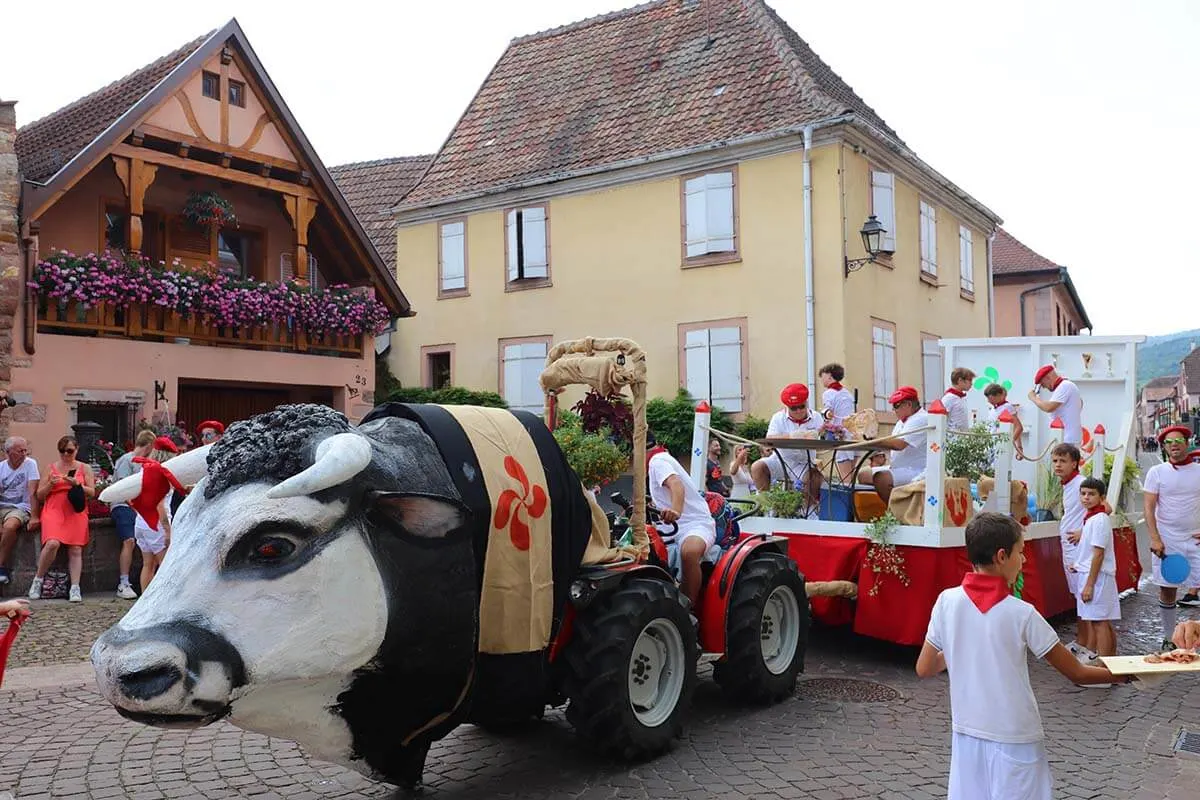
[615, 265]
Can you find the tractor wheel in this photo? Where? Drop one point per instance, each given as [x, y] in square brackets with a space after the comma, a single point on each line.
[767, 630]
[631, 669]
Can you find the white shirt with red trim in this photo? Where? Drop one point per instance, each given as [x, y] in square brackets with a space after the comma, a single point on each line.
[1070, 412]
[958, 418]
[1178, 490]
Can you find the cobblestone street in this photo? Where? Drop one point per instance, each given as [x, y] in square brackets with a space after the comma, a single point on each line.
[62, 741]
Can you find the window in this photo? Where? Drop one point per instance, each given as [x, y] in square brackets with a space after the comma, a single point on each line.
[237, 93]
[714, 364]
[210, 85]
[527, 246]
[928, 239]
[116, 425]
[116, 227]
[521, 364]
[883, 354]
[931, 367]
[238, 250]
[966, 260]
[883, 206]
[437, 366]
[710, 217]
[452, 259]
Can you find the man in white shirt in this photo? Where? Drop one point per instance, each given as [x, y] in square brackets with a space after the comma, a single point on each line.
[18, 497]
[793, 418]
[1065, 403]
[1171, 499]
[678, 500]
[907, 444]
[955, 399]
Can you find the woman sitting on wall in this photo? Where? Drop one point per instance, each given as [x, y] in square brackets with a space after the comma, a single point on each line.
[64, 492]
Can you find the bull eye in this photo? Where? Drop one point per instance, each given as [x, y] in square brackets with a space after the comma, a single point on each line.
[270, 549]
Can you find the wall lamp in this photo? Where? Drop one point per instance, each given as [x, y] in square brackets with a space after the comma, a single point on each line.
[872, 236]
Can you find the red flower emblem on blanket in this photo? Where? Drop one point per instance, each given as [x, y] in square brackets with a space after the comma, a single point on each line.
[512, 506]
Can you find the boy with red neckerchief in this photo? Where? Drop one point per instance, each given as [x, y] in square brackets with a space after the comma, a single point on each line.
[1097, 603]
[1064, 460]
[955, 399]
[1171, 500]
[838, 404]
[979, 631]
[998, 403]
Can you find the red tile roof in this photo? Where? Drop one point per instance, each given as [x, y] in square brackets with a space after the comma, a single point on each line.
[373, 189]
[661, 77]
[1010, 256]
[45, 146]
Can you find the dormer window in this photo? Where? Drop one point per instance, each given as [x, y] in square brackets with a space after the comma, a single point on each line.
[210, 85]
[237, 94]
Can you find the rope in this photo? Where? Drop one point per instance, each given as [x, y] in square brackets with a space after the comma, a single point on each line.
[1049, 447]
[849, 445]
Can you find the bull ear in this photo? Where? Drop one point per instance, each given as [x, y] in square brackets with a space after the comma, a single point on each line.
[424, 516]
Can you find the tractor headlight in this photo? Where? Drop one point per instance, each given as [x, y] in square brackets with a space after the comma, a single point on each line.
[582, 592]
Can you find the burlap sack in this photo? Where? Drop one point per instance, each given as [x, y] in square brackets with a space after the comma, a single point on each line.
[955, 509]
[1018, 497]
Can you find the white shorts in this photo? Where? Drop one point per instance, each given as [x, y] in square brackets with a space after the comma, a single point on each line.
[901, 477]
[1105, 604]
[1074, 579]
[707, 533]
[1185, 546]
[793, 474]
[149, 541]
[985, 770]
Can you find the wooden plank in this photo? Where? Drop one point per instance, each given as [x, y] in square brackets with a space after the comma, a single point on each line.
[1137, 665]
[214, 171]
[244, 152]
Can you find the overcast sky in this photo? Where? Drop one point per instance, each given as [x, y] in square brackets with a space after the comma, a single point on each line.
[1072, 120]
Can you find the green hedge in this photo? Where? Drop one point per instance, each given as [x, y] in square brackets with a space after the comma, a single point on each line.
[673, 421]
[449, 396]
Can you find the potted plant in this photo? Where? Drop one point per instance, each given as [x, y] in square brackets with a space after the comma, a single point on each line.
[971, 455]
[781, 501]
[208, 210]
[596, 459]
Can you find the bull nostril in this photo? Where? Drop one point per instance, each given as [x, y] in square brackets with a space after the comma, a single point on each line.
[146, 684]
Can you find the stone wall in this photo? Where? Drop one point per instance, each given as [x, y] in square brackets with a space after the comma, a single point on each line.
[100, 565]
[10, 249]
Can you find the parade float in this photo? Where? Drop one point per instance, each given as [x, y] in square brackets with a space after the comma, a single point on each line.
[901, 556]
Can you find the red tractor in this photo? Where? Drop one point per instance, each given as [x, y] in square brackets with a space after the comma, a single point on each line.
[626, 655]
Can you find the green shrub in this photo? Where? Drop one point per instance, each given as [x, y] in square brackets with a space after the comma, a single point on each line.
[596, 459]
[449, 396]
[970, 456]
[385, 382]
[753, 428]
[673, 421]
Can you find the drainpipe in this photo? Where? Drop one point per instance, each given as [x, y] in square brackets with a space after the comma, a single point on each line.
[1062, 276]
[991, 289]
[809, 304]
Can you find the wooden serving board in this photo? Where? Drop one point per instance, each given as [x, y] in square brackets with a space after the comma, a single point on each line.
[1136, 665]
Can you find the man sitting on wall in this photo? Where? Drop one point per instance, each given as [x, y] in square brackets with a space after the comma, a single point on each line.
[18, 497]
[907, 444]
[790, 421]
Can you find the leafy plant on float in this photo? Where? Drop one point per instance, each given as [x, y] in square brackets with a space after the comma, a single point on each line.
[613, 413]
[595, 457]
[1131, 482]
[970, 455]
[779, 501]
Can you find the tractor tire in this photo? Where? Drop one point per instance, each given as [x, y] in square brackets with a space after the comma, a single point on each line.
[766, 631]
[630, 670]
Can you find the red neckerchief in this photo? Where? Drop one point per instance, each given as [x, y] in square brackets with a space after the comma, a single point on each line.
[956, 392]
[1057, 382]
[1070, 477]
[1188, 458]
[652, 452]
[995, 404]
[835, 386]
[985, 590]
[157, 480]
[1093, 511]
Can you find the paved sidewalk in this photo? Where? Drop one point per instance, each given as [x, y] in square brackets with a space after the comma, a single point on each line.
[64, 742]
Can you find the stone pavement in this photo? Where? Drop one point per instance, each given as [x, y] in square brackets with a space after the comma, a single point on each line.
[62, 741]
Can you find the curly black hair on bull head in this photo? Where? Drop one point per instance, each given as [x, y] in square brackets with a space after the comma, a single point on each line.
[271, 446]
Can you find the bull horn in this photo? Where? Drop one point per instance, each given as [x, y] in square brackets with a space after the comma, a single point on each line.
[339, 458]
[188, 468]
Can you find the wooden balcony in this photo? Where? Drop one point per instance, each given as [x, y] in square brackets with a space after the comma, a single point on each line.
[151, 323]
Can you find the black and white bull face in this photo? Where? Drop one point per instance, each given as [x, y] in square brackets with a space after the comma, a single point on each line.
[334, 606]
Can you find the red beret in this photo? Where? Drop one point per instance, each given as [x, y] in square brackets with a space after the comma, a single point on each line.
[1042, 372]
[163, 443]
[794, 394]
[902, 394]
[210, 423]
[1165, 432]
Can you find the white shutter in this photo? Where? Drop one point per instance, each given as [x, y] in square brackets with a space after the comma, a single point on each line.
[695, 204]
[879, 372]
[533, 360]
[928, 238]
[512, 375]
[883, 204]
[966, 259]
[931, 369]
[719, 203]
[454, 274]
[533, 223]
[696, 364]
[510, 225]
[725, 367]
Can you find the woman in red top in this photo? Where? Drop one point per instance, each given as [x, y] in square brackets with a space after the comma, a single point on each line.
[61, 523]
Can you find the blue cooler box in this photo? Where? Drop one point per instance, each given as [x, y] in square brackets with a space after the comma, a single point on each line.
[837, 504]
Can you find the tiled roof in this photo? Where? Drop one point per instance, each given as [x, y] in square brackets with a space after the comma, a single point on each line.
[1191, 370]
[45, 146]
[661, 77]
[1010, 256]
[1162, 382]
[373, 188]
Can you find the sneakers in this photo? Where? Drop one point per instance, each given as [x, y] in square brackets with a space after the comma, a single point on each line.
[126, 592]
[1189, 599]
[1074, 648]
[75, 596]
[35, 589]
[4, 575]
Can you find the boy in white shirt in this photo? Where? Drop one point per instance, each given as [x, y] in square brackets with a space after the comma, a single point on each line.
[1064, 460]
[955, 399]
[997, 397]
[1097, 603]
[838, 404]
[678, 500]
[979, 632]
